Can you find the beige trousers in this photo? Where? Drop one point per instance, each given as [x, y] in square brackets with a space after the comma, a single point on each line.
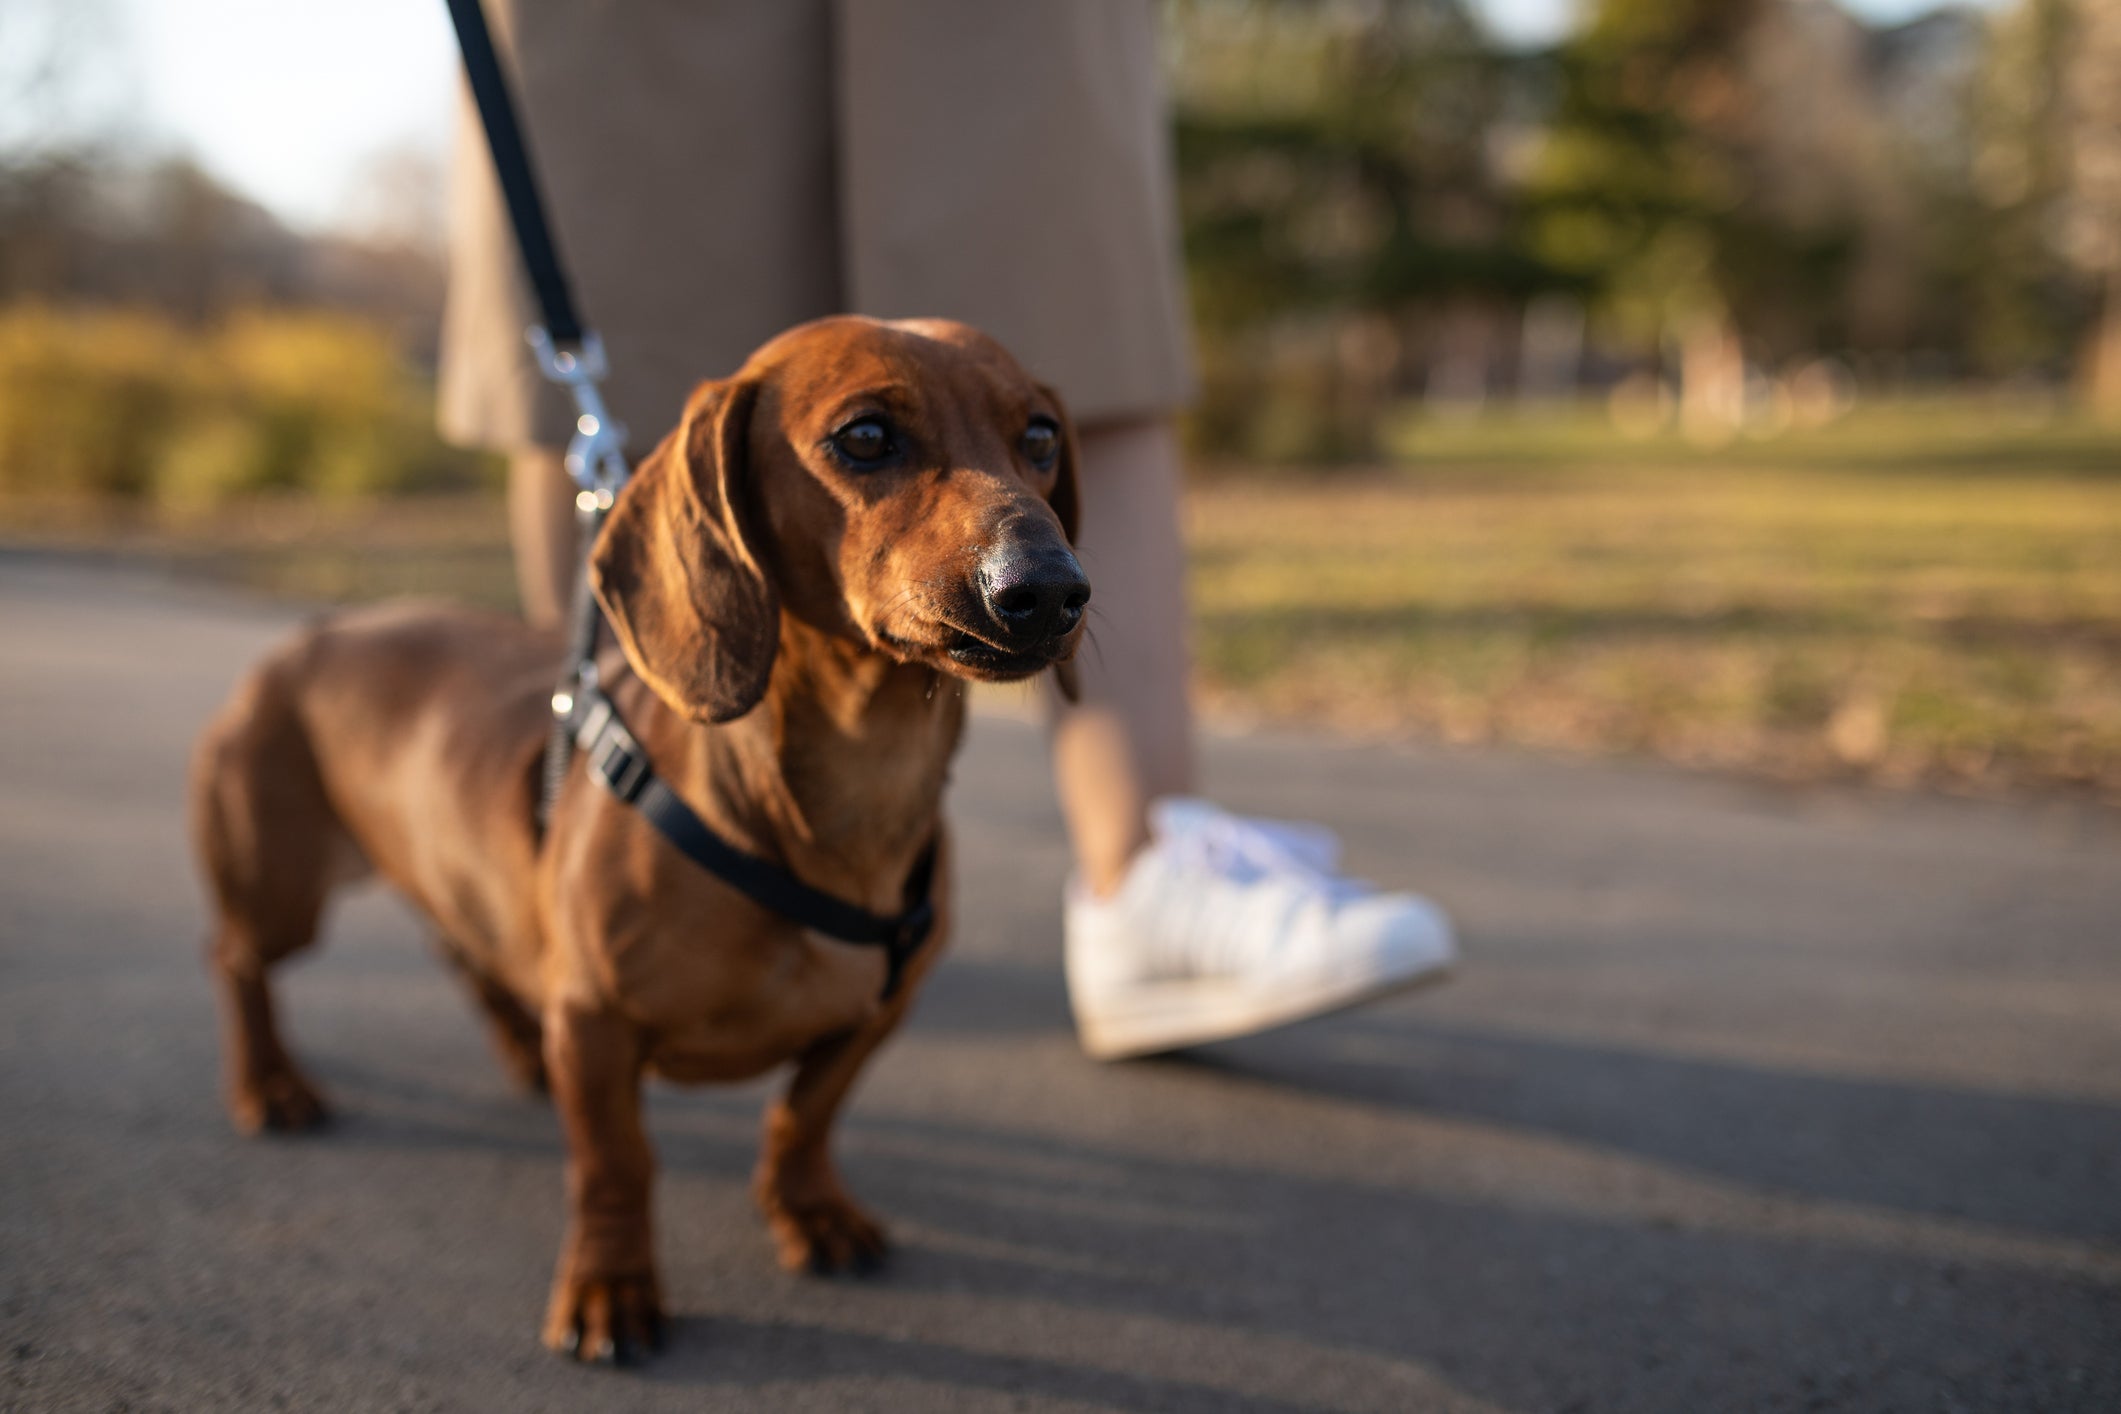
[720, 170]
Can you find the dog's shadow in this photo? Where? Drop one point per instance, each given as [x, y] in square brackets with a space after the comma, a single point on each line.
[732, 1353]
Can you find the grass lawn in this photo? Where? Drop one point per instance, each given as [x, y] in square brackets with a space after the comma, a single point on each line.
[1915, 595]
[1920, 594]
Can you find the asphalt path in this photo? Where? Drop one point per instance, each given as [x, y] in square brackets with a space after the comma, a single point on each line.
[1746, 1098]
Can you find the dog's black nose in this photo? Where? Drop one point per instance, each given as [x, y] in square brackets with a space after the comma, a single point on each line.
[1033, 596]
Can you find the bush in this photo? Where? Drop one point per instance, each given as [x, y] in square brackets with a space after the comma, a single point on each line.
[130, 405]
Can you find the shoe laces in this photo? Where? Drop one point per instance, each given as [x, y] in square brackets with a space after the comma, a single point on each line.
[1246, 850]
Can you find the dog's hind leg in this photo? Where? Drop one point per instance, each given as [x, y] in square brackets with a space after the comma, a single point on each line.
[517, 1037]
[272, 849]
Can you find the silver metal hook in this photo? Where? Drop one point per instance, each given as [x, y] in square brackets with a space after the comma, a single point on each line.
[596, 455]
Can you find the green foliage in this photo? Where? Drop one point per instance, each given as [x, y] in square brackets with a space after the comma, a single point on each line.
[2024, 309]
[129, 405]
[1373, 197]
[1651, 184]
[1335, 177]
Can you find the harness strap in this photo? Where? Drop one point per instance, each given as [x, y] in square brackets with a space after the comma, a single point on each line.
[618, 763]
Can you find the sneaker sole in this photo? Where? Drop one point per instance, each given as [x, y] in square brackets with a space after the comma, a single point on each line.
[1171, 1016]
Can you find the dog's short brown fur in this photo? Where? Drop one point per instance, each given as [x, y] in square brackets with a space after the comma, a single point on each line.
[791, 624]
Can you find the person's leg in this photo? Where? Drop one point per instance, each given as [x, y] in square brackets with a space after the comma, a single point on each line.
[1130, 738]
[541, 528]
[1211, 925]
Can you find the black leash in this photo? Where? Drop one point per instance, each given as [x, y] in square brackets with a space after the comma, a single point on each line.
[568, 354]
[519, 177]
[582, 715]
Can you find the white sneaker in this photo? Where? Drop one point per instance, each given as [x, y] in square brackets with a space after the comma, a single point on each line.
[1225, 926]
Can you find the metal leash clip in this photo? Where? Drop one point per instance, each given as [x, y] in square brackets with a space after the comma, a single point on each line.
[596, 461]
[596, 456]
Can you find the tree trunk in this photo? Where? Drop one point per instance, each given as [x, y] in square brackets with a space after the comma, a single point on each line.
[2099, 370]
[1711, 382]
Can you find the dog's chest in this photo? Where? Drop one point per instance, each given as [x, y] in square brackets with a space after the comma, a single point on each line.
[730, 1002]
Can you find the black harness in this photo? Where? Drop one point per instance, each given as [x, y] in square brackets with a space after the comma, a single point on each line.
[617, 763]
[583, 716]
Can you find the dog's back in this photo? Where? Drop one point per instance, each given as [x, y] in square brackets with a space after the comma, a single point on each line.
[403, 739]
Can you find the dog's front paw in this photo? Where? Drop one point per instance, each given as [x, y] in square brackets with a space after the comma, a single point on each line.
[604, 1320]
[821, 1229]
[280, 1099]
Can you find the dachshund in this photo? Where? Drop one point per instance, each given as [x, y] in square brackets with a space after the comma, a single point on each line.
[800, 579]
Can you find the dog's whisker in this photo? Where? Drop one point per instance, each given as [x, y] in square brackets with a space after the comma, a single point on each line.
[909, 593]
[1090, 639]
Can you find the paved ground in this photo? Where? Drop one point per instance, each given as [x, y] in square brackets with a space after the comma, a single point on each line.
[1746, 1099]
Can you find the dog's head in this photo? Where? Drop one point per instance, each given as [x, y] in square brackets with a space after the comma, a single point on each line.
[903, 485]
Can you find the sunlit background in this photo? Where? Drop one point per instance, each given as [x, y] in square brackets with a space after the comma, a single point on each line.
[1732, 381]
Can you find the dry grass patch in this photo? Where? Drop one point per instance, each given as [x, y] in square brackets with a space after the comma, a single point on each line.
[1891, 624]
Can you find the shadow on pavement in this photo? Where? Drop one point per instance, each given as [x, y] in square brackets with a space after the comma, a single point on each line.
[2028, 1162]
[1674, 1233]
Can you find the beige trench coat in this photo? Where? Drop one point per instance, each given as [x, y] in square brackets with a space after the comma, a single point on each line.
[718, 170]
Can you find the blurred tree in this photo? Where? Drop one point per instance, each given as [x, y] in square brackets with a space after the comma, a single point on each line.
[63, 79]
[2044, 177]
[1342, 177]
[2017, 170]
[2091, 209]
[1700, 171]
[1727, 170]
[52, 136]
[89, 215]
[90, 228]
[1639, 184]
[85, 226]
[397, 198]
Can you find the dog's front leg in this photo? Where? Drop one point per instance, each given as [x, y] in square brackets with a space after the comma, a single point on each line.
[815, 1225]
[605, 1306]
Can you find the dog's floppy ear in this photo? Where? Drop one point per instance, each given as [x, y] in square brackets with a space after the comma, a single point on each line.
[676, 572]
[1066, 499]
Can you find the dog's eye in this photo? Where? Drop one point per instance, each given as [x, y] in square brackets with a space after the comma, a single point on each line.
[1042, 443]
[864, 441]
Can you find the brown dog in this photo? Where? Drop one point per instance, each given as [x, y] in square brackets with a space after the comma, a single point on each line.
[864, 511]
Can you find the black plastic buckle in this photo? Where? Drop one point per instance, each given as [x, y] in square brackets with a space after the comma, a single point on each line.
[619, 762]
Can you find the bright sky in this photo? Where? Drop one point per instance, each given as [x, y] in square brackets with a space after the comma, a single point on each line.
[286, 99]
